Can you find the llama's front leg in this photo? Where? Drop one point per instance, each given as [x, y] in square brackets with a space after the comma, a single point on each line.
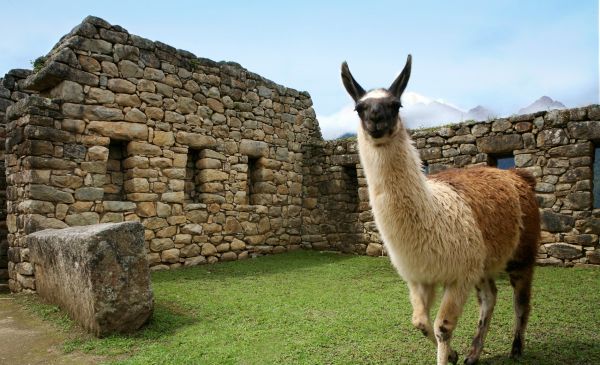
[451, 308]
[486, 295]
[421, 298]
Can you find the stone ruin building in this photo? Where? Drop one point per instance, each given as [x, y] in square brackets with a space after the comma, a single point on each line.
[220, 164]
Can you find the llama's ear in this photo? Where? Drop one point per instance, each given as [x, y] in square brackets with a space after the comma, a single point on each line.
[354, 89]
[401, 81]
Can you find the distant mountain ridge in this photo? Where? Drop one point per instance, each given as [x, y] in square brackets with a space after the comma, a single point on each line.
[421, 111]
[542, 104]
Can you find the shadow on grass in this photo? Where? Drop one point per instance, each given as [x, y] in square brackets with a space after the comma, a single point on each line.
[167, 319]
[290, 263]
[557, 352]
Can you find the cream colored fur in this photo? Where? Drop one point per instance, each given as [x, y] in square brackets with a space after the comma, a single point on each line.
[430, 232]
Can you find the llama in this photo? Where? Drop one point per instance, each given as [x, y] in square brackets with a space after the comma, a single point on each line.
[456, 228]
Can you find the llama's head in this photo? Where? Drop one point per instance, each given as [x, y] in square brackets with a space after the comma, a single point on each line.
[378, 109]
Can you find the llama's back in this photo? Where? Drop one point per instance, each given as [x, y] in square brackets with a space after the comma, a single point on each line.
[506, 211]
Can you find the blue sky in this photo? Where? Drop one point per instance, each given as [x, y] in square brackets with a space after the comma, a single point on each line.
[501, 54]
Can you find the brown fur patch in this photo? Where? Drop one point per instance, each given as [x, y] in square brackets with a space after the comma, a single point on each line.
[505, 208]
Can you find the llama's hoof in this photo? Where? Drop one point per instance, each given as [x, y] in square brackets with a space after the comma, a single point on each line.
[516, 353]
[517, 348]
[453, 357]
[471, 361]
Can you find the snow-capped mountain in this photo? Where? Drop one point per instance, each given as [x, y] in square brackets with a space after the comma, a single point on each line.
[421, 111]
[541, 104]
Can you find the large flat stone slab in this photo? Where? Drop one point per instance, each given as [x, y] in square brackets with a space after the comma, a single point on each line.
[98, 274]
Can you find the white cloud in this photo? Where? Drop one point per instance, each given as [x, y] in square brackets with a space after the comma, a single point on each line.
[343, 121]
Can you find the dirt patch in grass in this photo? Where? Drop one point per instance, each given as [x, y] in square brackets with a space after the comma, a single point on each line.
[25, 338]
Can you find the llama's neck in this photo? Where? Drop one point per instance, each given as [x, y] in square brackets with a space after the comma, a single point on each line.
[395, 178]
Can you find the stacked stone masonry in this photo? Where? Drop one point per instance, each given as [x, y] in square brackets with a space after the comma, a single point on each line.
[10, 92]
[557, 147]
[207, 156]
[220, 164]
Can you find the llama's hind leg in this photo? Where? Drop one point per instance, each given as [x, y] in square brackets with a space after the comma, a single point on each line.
[451, 308]
[421, 298]
[486, 296]
[521, 282]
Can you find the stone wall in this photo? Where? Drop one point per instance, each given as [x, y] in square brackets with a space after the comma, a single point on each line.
[557, 147]
[11, 91]
[207, 156]
[335, 212]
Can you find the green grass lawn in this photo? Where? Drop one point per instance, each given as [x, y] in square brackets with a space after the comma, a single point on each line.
[323, 308]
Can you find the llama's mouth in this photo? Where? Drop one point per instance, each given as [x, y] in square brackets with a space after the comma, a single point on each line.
[382, 135]
[377, 134]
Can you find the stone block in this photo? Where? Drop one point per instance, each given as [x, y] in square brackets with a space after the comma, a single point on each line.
[555, 222]
[593, 257]
[47, 134]
[552, 137]
[98, 274]
[171, 255]
[580, 200]
[479, 130]
[82, 219]
[121, 86]
[195, 140]
[146, 209]
[340, 160]
[564, 250]
[37, 222]
[462, 139]
[89, 64]
[585, 130]
[118, 206]
[91, 112]
[48, 193]
[374, 249]
[500, 143]
[163, 138]
[173, 197]
[119, 130]
[128, 100]
[211, 175]
[97, 153]
[208, 249]
[229, 256]
[573, 150]
[89, 193]
[430, 153]
[56, 72]
[68, 91]
[161, 244]
[190, 250]
[186, 105]
[192, 229]
[254, 148]
[193, 261]
[143, 148]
